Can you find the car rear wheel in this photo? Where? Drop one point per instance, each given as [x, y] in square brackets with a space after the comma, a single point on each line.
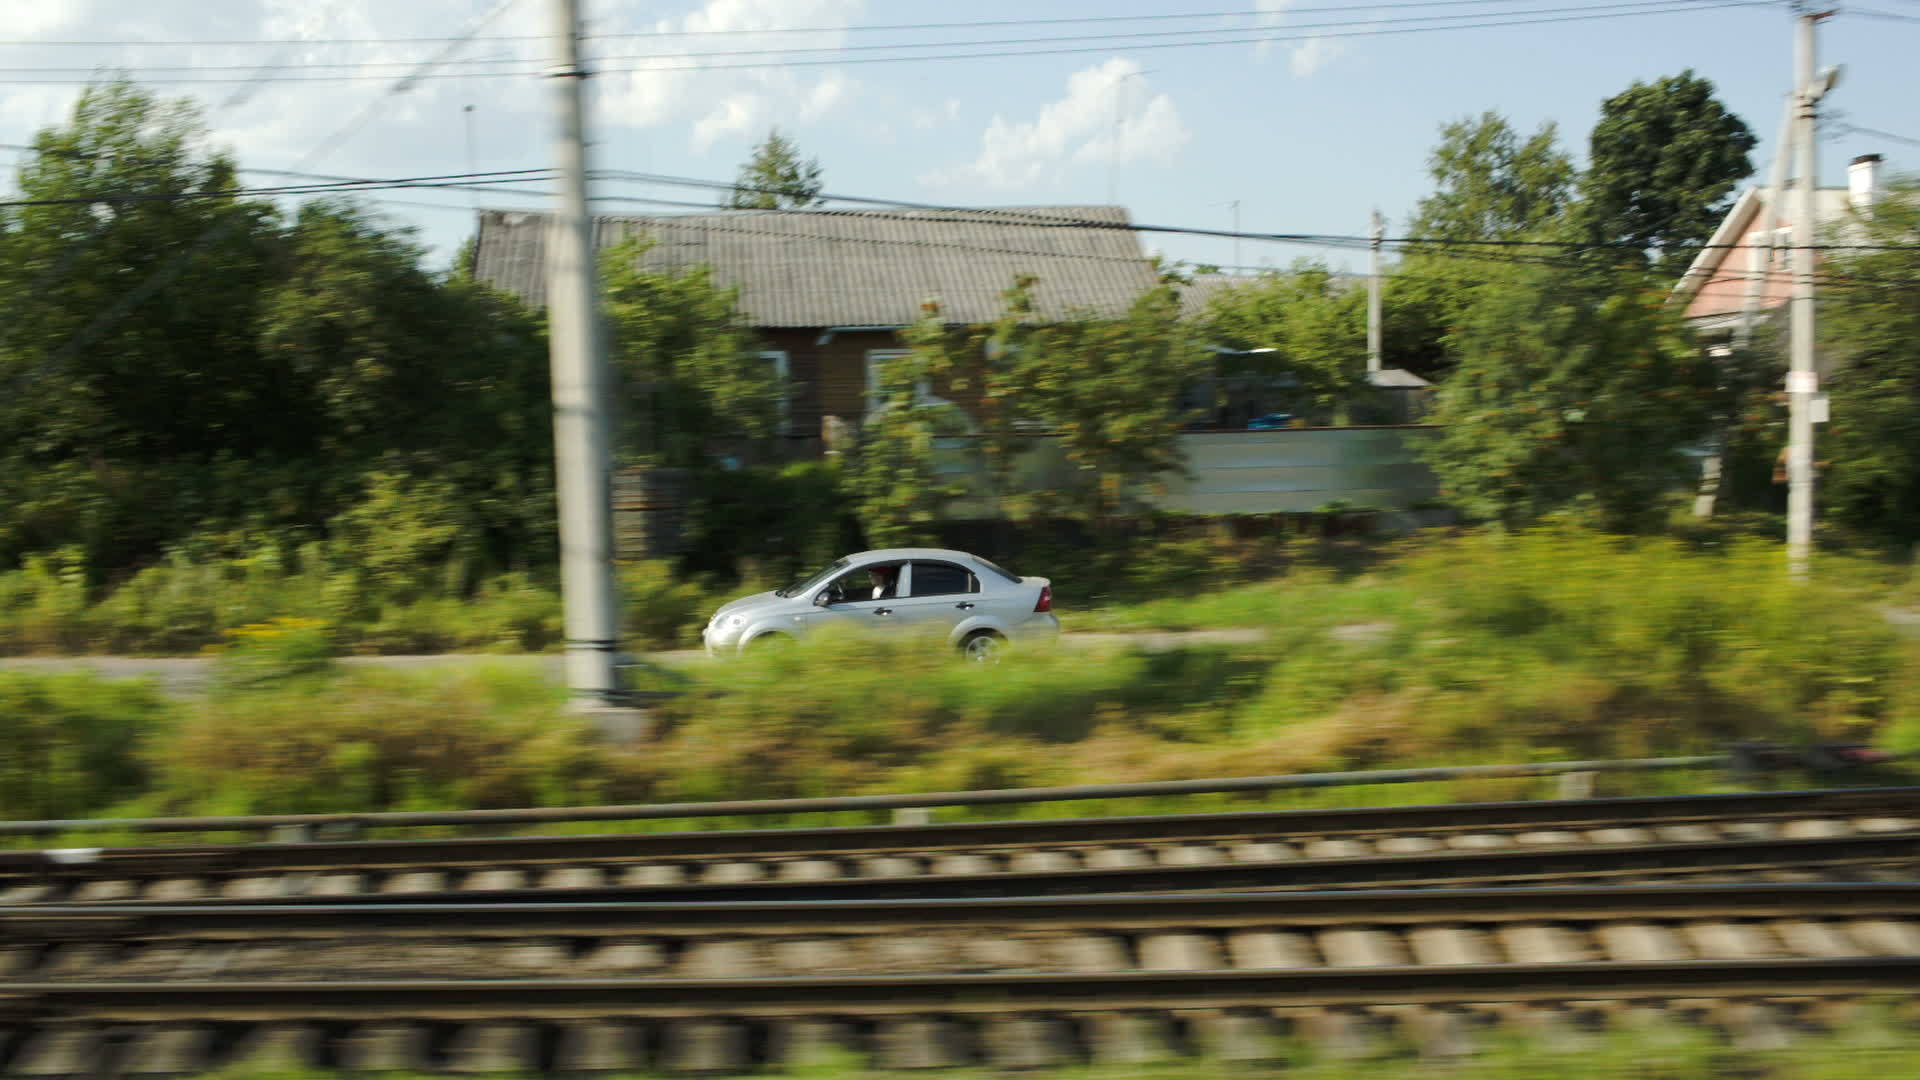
[983, 647]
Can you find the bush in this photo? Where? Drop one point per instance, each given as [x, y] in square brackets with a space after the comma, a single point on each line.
[390, 740]
[71, 742]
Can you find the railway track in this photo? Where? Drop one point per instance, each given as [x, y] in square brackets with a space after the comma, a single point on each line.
[709, 987]
[1857, 832]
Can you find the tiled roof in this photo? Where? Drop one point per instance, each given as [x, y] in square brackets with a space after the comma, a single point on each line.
[861, 267]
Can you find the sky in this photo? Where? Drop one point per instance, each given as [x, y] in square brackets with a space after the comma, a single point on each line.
[1295, 116]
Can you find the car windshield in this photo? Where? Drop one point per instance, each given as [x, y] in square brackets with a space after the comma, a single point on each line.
[799, 587]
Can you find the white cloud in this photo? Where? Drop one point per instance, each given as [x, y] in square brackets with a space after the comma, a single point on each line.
[729, 101]
[1313, 54]
[1269, 14]
[1109, 114]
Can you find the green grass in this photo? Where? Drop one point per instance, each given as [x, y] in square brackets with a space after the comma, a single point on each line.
[1872, 1049]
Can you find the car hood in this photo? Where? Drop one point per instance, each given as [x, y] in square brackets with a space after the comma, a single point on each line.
[756, 601]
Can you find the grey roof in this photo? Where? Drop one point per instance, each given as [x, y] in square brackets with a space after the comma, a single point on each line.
[860, 267]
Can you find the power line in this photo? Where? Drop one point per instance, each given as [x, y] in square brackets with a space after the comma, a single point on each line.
[759, 32]
[1888, 15]
[1622, 5]
[1676, 8]
[1856, 128]
[347, 186]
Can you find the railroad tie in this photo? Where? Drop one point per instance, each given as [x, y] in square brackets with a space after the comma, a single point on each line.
[1094, 952]
[648, 875]
[591, 1046]
[1345, 1034]
[1191, 855]
[1338, 848]
[1028, 1042]
[705, 1046]
[1263, 851]
[168, 1050]
[1361, 947]
[26, 894]
[964, 862]
[1179, 951]
[625, 955]
[1720, 940]
[1118, 857]
[106, 889]
[61, 1048]
[923, 1042]
[732, 872]
[1811, 937]
[167, 890]
[386, 1047]
[889, 866]
[810, 870]
[1815, 828]
[722, 958]
[1408, 845]
[254, 886]
[495, 1046]
[1130, 1038]
[414, 881]
[1640, 942]
[573, 877]
[279, 1045]
[1754, 1025]
[342, 884]
[1550, 838]
[1271, 949]
[811, 1041]
[496, 879]
[1887, 937]
[1237, 1035]
[1042, 861]
[1451, 945]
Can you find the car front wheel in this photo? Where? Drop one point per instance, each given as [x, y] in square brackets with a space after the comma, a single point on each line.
[983, 647]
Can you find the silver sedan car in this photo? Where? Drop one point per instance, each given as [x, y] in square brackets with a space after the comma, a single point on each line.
[965, 600]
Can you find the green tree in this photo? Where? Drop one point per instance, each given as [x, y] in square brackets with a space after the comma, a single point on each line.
[1571, 388]
[1108, 388]
[692, 366]
[1662, 165]
[127, 355]
[1490, 184]
[1313, 321]
[895, 476]
[776, 178]
[1871, 329]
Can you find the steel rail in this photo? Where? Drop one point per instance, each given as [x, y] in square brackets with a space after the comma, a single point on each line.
[850, 840]
[1125, 912]
[997, 797]
[961, 993]
[1449, 867]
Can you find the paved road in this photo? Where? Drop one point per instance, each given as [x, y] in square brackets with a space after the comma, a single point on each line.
[189, 675]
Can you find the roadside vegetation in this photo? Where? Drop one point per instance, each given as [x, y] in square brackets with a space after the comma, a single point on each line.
[1548, 645]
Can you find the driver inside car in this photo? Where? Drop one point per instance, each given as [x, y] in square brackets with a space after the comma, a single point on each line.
[882, 579]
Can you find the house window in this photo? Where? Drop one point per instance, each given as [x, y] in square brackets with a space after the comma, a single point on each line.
[876, 394]
[777, 358]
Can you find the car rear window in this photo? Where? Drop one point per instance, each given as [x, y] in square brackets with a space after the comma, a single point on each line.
[1015, 578]
[941, 579]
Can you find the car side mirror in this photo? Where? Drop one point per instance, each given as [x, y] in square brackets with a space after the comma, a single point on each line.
[823, 598]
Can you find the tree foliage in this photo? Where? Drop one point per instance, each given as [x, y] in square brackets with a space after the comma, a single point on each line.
[1315, 323]
[776, 178]
[691, 366]
[1570, 388]
[1662, 165]
[179, 365]
[1871, 328]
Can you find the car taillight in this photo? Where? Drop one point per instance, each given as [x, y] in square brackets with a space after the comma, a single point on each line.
[1046, 599]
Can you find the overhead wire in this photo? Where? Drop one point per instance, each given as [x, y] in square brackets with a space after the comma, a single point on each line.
[1665, 8]
[661, 32]
[1588, 8]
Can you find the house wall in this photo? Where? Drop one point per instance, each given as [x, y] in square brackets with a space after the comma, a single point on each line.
[1245, 472]
[1725, 293]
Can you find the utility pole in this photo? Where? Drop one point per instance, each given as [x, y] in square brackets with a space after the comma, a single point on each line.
[1802, 381]
[1236, 236]
[1378, 234]
[583, 457]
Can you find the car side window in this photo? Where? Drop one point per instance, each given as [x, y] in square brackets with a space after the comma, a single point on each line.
[942, 579]
[864, 584]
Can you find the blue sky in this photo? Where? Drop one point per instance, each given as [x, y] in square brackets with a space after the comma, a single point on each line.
[1307, 132]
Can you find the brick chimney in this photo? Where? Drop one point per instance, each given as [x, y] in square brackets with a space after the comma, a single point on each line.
[1863, 183]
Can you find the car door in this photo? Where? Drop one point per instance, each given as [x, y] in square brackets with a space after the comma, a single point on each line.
[856, 609]
[938, 595]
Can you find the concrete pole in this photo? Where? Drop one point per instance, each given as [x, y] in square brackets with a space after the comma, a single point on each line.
[1802, 382]
[583, 458]
[1373, 295]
